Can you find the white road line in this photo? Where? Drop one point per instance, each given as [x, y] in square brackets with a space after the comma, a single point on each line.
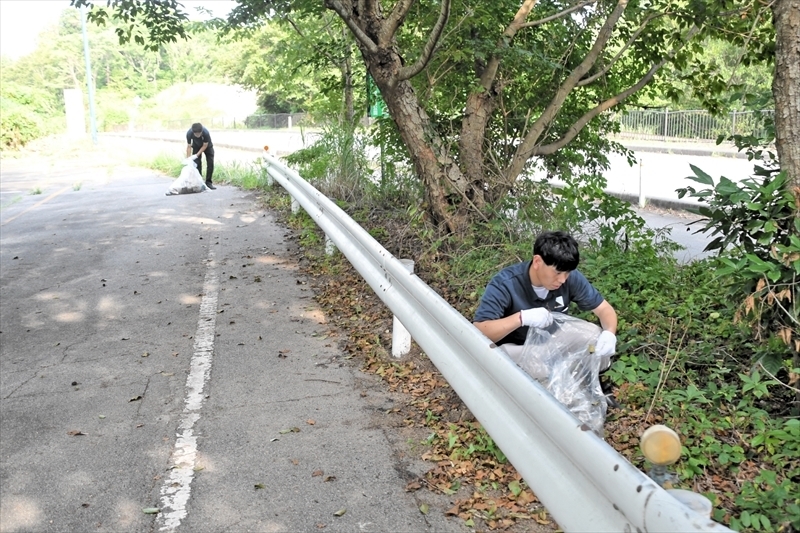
[176, 490]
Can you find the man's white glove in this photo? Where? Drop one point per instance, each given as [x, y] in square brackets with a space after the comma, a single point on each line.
[538, 317]
[606, 345]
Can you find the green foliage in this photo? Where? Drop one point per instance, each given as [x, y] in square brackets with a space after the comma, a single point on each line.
[759, 251]
[148, 24]
[682, 355]
[303, 66]
[470, 440]
[247, 176]
[165, 163]
[25, 114]
[338, 164]
[18, 124]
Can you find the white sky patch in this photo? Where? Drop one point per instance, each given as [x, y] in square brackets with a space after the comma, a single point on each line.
[23, 21]
[176, 491]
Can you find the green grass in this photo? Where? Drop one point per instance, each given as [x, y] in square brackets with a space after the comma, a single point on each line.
[246, 176]
[164, 163]
[10, 202]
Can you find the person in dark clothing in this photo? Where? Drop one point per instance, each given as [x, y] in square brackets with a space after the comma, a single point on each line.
[198, 141]
[526, 294]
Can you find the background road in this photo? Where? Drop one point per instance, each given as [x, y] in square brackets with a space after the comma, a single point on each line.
[165, 352]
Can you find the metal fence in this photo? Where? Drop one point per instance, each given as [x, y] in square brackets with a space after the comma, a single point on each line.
[647, 124]
[251, 122]
[664, 124]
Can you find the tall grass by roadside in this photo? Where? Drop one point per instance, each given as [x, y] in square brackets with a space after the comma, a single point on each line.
[246, 176]
[164, 163]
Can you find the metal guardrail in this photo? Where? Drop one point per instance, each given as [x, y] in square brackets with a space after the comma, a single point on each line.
[583, 482]
[643, 124]
[699, 125]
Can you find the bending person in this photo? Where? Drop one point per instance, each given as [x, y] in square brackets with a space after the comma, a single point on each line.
[526, 294]
[198, 141]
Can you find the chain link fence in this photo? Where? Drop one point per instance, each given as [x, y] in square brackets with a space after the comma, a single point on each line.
[667, 125]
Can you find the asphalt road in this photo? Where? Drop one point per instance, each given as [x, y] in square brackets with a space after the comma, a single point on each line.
[164, 352]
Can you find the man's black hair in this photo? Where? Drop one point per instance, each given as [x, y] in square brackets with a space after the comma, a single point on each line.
[557, 249]
[197, 127]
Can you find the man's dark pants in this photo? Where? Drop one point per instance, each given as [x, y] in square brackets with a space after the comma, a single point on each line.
[209, 164]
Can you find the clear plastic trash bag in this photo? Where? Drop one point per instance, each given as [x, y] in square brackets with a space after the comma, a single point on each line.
[189, 181]
[561, 357]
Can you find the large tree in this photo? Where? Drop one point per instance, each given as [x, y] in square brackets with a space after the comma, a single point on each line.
[786, 89]
[480, 91]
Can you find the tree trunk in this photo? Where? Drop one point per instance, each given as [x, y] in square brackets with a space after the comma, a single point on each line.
[477, 113]
[786, 88]
[347, 78]
[448, 193]
[442, 180]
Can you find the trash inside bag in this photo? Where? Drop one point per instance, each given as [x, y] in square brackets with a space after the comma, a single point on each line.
[189, 181]
[561, 357]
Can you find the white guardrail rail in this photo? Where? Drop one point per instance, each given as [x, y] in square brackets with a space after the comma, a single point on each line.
[583, 482]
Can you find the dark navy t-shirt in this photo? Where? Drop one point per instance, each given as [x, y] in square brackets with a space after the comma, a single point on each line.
[198, 142]
[511, 291]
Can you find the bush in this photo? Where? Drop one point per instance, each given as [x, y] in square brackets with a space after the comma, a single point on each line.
[18, 124]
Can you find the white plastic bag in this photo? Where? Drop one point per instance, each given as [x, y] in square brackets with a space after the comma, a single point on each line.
[189, 181]
[562, 358]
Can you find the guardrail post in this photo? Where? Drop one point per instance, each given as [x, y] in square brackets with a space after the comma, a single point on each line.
[642, 199]
[401, 338]
[295, 206]
[330, 247]
[265, 168]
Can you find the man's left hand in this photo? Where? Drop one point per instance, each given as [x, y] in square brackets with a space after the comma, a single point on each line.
[606, 345]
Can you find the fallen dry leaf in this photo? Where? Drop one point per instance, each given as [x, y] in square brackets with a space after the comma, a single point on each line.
[412, 486]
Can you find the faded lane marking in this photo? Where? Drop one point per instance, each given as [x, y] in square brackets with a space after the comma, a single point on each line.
[37, 204]
[176, 490]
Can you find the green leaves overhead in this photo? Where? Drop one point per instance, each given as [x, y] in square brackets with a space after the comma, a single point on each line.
[149, 23]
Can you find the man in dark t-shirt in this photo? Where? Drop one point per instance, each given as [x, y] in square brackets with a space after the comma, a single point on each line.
[198, 141]
[525, 294]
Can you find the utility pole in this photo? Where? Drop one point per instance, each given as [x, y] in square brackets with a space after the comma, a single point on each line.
[89, 84]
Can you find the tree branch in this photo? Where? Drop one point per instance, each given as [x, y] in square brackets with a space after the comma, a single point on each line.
[490, 72]
[564, 13]
[345, 15]
[590, 79]
[393, 21]
[318, 49]
[410, 71]
[528, 145]
[579, 124]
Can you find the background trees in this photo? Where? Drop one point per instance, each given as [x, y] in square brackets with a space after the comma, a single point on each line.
[479, 94]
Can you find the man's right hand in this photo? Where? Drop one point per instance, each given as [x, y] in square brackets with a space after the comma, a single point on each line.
[538, 317]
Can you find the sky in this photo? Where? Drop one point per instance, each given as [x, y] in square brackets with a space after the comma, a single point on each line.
[21, 21]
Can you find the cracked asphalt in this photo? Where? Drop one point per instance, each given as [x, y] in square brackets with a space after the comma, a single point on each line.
[103, 280]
